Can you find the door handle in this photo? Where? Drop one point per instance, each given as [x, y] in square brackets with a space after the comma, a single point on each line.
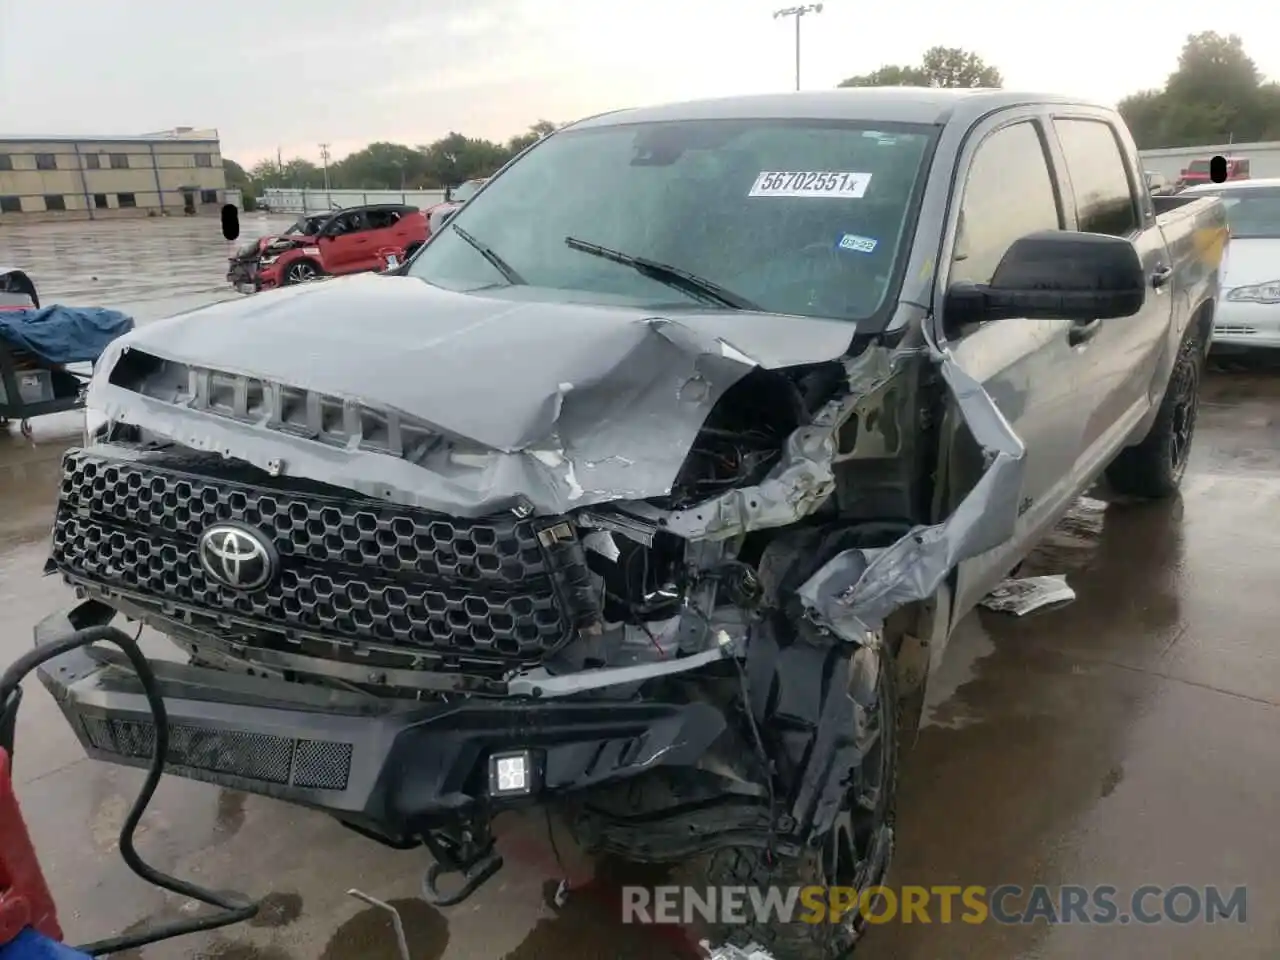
[1160, 276]
[1083, 332]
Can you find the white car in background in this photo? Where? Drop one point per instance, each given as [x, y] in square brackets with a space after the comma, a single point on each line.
[1158, 183]
[1248, 312]
[456, 197]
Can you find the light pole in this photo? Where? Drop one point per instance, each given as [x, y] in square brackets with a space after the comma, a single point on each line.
[324, 156]
[798, 12]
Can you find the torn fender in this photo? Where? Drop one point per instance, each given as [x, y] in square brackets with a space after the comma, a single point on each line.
[803, 479]
[856, 590]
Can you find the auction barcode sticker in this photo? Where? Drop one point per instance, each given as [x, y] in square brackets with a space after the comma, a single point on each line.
[788, 183]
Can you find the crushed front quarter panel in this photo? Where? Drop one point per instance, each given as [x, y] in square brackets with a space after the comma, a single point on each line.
[853, 592]
[803, 480]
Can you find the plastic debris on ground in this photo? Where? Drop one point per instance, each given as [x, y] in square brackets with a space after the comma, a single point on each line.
[730, 952]
[1021, 596]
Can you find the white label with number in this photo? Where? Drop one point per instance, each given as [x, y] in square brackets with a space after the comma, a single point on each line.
[790, 183]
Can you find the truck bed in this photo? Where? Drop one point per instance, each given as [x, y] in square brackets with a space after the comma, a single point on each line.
[1195, 231]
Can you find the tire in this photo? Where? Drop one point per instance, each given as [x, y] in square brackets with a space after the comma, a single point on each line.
[300, 271]
[1154, 468]
[865, 827]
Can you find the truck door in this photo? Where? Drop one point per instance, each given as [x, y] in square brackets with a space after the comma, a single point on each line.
[1122, 355]
[1008, 188]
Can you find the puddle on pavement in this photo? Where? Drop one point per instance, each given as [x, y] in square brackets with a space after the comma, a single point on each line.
[29, 477]
[230, 816]
[277, 910]
[1044, 716]
[370, 934]
[238, 950]
[589, 926]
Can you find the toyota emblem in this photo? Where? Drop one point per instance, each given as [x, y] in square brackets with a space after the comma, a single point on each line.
[237, 557]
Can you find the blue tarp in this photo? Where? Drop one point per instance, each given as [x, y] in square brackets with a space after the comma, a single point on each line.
[30, 945]
[59, 334]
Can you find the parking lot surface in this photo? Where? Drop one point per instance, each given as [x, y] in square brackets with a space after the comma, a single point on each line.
[1126, 739]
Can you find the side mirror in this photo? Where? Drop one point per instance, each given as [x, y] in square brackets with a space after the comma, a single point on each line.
[1055, 274]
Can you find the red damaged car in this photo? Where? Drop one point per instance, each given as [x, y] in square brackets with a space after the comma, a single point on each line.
[354, 240]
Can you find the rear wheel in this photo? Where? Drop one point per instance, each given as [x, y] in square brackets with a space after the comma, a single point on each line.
[855, 855]
[301, 271]
[1155, 467]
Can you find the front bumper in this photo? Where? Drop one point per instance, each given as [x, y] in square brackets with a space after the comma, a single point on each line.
[1238, 324]
[269, 277]
[243, 275]
[391, 768]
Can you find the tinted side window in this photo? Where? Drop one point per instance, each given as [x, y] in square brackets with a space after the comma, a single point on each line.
[1008, 194]
[1104, 200]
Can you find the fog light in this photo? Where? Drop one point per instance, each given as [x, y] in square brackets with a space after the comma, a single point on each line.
[511, 774]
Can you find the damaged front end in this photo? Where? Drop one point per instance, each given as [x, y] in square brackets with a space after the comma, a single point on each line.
[666, 575]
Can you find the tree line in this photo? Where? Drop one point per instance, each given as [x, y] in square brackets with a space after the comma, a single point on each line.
[1216, 95]
[389, 166]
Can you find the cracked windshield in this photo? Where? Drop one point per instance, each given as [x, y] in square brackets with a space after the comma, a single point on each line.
[512, 480]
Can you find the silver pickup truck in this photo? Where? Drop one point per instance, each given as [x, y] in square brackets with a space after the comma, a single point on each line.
[650, 489]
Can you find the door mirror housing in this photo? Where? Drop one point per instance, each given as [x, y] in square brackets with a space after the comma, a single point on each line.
[1055, 274]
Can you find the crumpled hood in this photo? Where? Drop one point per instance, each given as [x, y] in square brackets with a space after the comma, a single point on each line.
[563, 404]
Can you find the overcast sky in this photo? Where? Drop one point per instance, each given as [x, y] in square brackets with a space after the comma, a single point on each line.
[293, 73]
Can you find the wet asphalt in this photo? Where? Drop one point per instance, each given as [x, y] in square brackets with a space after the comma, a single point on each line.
[1128, 738]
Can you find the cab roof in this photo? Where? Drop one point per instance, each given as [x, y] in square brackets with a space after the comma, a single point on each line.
[404, 207]
[923, 105]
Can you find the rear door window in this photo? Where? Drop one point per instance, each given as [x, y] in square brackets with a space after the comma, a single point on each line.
[1099, 177]
[382, 219]
[349, 223]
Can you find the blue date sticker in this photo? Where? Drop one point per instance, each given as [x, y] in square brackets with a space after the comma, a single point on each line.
[854, 243]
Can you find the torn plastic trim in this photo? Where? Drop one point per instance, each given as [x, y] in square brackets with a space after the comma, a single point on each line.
[729, 951]
[540, 683]
[804, 478]
[853, 593]
[261, 403]
[537, 682]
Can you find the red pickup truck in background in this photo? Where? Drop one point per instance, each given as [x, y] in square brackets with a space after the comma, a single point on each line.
[1197, 171]
[354, 240]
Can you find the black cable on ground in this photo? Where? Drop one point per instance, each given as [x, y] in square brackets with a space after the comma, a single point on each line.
[230, 910]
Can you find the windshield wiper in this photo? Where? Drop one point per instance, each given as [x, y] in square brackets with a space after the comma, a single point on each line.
[504, 268]
[667, 274]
